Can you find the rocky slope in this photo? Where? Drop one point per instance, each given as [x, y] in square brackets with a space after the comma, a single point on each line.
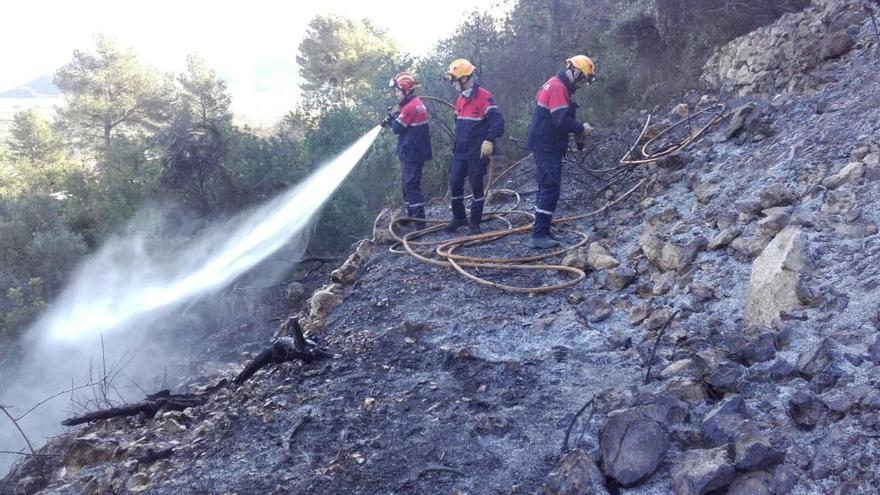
[746, 276]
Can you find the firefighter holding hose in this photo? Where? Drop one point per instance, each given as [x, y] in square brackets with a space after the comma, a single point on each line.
[552, 122]
[410, 123]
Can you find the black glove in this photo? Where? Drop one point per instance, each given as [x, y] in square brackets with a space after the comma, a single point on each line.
[388, 119]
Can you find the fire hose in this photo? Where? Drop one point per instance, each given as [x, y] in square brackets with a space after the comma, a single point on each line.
[446, 253]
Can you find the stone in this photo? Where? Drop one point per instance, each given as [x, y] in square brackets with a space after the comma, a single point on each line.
[701, 471]
[776, 195]
[724, 422]
[619, 278]
[775, 278]
[757, 346]
[674, 257]
[322, 303]
[631, 446]
[748, 206]
[659, 318]
[724, 238]
[576, 258]
[757, 483]
[752, 450]
[849, 174]
[726, 377]
[381, 235]
[90, 450]
[838, 401]
[781, 370]
[748, 246]
[701, 291]
[772, 224]
[688, 367]
[805, 409]
[687, 390]
[663, 283]
[599, 258]
[738, 121]
[818, 358]
[347, 273]
[171, 425]
[874, 351]
[681, 110]
[783, 481]
[575, 474]
[138, 482]
[836, 45]
[639, 312]
[872, 166]
[596, 309]
[651, 246]
[860, 153]
[705, 191]
[855, 231]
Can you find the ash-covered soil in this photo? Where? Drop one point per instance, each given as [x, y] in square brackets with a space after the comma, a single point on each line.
[439, 385]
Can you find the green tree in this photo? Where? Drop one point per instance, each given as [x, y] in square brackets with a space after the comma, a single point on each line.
[202, 94]
[32, 138]
[37, 252]
[111, 93]
[196, 144]
[346, 57]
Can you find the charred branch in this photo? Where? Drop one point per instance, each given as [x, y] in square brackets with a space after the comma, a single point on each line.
[283, 349]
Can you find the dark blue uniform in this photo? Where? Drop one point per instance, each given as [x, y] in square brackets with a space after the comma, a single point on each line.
[552, 122]
[477, 119]
[413, 150]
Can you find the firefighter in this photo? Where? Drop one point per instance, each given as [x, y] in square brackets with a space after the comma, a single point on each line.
[478, 124]
[553, 121]
[410, 123]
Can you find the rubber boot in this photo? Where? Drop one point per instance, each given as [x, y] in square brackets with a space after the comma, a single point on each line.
[474, 229]
[542, 242]
[420, 224]
[454, 224]
[459, 217]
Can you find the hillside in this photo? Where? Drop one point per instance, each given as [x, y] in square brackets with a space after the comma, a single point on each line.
[38, 88]
[744, 273]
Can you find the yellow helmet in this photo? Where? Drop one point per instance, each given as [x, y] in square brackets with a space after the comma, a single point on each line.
[584, 64]
[460, 68]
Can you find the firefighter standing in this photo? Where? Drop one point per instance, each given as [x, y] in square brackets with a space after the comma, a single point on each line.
[552, 122]
[478, 124]
[410, 124]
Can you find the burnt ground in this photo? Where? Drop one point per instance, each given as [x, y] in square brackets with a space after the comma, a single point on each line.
[442, 386]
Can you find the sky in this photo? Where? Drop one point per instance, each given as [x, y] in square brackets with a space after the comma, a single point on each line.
[242, 40]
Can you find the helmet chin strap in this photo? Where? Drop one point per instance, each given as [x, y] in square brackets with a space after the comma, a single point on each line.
[460, 83]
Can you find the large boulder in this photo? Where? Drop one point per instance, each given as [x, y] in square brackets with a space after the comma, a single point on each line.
[575, 474]
[724, 422]
[752, 450]
[632, 444]
[701, 471]
[676, 257]
[849, 174]
[323, 301]
[775, 277]
[599, 258]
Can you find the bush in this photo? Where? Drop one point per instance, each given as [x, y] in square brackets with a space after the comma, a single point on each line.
[37, 253]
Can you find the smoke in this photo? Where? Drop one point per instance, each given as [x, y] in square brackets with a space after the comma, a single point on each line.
[115, 314]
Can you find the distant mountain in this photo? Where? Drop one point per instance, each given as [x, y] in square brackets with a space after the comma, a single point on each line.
[40, 87]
